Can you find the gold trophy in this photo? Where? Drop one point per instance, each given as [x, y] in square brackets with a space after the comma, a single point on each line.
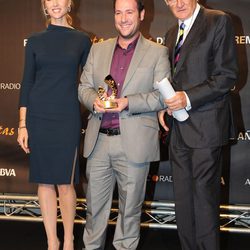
[108, 102]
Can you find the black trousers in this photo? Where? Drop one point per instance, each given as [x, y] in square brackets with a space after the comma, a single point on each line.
[196, 175]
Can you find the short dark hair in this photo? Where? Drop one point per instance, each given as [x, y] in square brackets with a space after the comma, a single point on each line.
[140, 5]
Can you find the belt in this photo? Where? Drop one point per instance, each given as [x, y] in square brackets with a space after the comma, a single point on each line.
[110, 131]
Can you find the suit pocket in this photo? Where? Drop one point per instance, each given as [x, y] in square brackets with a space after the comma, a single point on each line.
[150, 122]
[213, 105]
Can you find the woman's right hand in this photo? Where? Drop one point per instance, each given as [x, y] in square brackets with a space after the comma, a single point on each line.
[22, 139]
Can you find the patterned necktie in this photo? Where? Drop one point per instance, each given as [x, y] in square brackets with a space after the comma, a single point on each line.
[178, 45]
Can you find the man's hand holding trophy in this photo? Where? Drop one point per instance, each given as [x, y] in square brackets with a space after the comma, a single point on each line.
[105, 103]
[108, 101]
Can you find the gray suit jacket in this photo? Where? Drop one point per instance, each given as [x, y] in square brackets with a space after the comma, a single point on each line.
[139, 125]
[207, 70]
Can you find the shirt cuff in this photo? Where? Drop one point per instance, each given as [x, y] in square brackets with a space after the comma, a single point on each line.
[188, 107]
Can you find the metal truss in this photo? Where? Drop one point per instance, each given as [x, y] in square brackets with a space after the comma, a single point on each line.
[155, 214]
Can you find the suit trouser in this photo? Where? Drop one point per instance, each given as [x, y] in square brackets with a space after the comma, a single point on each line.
[196, 175]
[106, 165]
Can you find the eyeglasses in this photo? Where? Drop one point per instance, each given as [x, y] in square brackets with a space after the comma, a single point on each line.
[171, 2]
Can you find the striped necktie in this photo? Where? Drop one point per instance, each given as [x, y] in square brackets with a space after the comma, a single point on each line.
[178, 45]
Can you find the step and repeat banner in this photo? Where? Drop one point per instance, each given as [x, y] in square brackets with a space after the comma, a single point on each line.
[19, 19]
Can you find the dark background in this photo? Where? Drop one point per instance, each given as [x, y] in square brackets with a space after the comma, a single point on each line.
[19, 19]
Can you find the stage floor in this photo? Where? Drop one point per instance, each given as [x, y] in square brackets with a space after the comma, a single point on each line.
[31, 236]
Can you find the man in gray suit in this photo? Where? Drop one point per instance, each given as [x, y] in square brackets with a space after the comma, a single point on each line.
[120, 143]
[204, 69]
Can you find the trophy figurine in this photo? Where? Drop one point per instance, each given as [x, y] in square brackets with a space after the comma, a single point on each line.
[108, 102]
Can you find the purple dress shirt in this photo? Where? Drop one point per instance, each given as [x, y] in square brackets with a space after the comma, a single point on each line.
[119, 67]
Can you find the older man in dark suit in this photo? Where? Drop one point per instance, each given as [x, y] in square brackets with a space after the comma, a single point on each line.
[204, 69]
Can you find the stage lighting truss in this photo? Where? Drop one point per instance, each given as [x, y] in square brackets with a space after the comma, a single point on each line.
[155, 214]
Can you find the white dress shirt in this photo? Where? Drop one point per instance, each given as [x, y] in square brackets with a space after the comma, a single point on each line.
[188, 25]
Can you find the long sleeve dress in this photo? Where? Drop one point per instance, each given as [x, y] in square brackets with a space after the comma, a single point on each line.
[53, 59]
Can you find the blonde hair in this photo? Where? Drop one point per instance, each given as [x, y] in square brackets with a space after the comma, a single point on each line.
[47, 17]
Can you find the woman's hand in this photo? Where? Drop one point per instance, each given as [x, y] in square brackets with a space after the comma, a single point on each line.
[22, 139]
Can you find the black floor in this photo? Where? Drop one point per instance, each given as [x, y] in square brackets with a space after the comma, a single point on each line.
[31, 236]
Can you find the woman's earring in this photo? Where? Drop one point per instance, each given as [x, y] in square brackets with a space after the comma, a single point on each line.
[45, 12]
[69, 8]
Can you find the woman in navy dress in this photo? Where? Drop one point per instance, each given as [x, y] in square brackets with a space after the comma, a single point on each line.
[49, 126]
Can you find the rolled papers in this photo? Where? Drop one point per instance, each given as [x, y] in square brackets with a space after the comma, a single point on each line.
[167, 91]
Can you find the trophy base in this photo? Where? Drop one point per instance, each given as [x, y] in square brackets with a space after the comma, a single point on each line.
[109, 104]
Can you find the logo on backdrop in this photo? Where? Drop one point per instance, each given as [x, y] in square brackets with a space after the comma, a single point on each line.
[160, 40]
[239, 40]
[7, 172]
[169, 178]
[25, 42]
[247, 182]
[5, 131]
[242, 39]
[95, 39]
[162, 178]
[244, 135]
[10, 86]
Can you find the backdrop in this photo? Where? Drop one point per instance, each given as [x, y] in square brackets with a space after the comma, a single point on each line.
[19, 19]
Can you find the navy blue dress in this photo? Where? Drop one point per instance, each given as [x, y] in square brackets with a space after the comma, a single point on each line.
[53, 59]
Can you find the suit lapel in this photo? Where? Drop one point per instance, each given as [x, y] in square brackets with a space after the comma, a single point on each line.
[189, 42]
[138, 55]
[107, 60]
[171, 44]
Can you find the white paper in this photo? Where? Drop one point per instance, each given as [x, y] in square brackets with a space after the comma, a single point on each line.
[167, 91]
